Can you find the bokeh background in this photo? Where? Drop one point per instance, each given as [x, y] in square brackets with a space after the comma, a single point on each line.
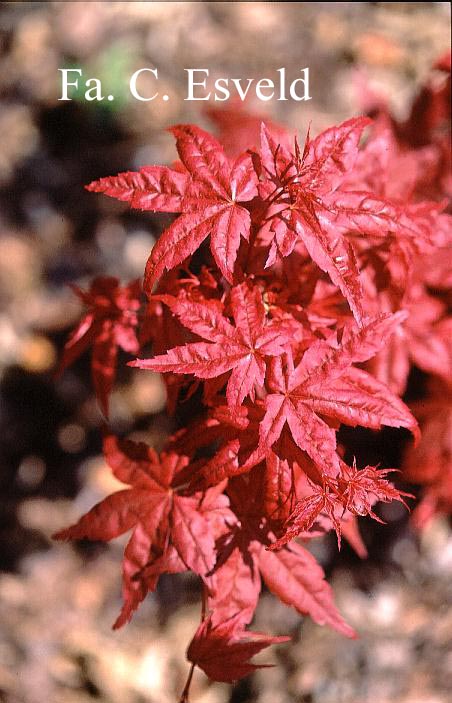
[57, 602]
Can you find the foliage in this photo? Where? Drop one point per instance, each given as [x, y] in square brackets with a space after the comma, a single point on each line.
[305, 315]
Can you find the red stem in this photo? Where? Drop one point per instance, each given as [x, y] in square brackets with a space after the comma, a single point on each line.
[186, 691]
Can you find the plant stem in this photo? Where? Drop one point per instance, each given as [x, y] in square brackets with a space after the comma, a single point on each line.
[185, 692]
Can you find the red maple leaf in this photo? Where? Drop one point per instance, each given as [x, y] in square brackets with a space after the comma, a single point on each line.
[111, 322]
[309, 201]
[326, 384]
[172, 532]
[211, 205]
[242, 347]
[292, 574]
[223, 650]
[361, 488]
[304, 202]
[209, 196]
[353, 490]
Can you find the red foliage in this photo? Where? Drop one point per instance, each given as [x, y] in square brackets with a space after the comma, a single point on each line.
[307, 316]
[223, 651]
[110, 322]
[420, 151]
[430, 464]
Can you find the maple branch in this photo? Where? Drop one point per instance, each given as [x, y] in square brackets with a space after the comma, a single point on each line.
[281, 364]
[184, 695]
[185, 692]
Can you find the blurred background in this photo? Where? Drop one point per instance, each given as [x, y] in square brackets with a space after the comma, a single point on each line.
[57, 602]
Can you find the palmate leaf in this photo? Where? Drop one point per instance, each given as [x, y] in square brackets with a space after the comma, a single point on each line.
[304, 183]
[211, 205]
[223, 650]
[209, 197]
[242, 348]
[326, 384]
[311, 203]
[110, 322]
[171, 532]
[353, 490]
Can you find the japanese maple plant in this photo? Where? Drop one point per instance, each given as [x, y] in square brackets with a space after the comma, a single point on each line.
[274, 296]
